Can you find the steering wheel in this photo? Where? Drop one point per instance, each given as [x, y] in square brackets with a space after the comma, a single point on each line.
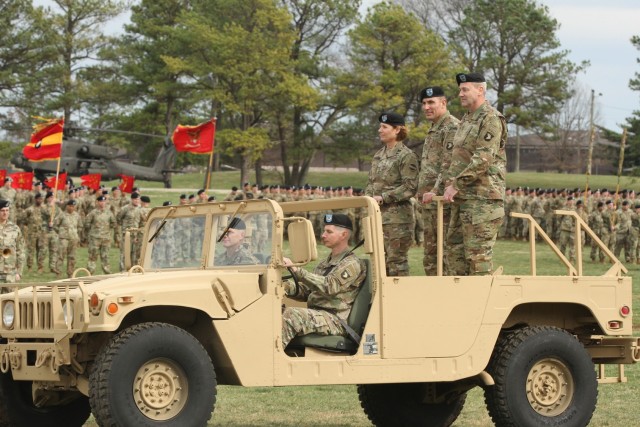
[292, 276]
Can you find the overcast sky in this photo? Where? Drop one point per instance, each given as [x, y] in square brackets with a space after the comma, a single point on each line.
[591, 30]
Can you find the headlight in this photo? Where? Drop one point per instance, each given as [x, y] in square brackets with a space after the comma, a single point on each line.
[67, 311]
[8, 314]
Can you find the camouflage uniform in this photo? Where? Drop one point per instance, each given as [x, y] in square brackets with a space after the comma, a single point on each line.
[51, 242]
[98, 226]
[240, 256]
[329, 292]
[130, 216]
[11, 240]
[9, 194]
[436, 159]
[478, 173]
[596, 223]
[567, 235]
[35, 226]
[393, 176]
[624, 235]
[67, 224]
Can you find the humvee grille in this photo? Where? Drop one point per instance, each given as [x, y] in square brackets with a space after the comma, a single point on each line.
[28, 320]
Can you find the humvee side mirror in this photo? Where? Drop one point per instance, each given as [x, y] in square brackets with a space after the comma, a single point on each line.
[302, 241]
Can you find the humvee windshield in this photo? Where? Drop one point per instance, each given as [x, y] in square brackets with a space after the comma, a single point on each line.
[178, 242]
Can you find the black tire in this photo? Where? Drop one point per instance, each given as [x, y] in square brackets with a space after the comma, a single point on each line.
[167, 362]
[17, 409]
[400, 405]
[543, 377]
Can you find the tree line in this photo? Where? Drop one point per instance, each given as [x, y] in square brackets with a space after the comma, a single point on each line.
[298, 76]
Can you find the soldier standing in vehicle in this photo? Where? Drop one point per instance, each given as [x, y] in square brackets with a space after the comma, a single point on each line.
[67, 224]
[12, 247]
[436, 158]
[98, 226]
[392, 182]
[329, 291]
[476, 179]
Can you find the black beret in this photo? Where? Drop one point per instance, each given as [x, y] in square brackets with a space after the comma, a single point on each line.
[391, 118]
[637, 206]
[339, 220]
[135, 189]
[600, 204]
[200, 191]
[211, 198]
[71, 191]
[192, 196]
[569, 198]
[625, 203]
[4, 203]
[579, 202]
[38, 196]
[167, 203]
[115, 188]
[38, 184]
[145, 199]
[234, 188]
[49, 194]
[609, 202]
[239, 224]
[101, 199]
[246, 183]
[469, 78]
[71, 202]
[105, 192]
[183, 196]
[135, 195]
[431, 92]
[8, 179]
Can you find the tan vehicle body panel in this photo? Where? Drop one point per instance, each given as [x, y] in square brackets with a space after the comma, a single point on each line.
[427, 329]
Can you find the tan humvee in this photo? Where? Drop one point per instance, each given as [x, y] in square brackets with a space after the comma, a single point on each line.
[148, 347]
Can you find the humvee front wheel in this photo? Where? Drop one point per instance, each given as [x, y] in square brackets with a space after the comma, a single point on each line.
[17, 408]
[543, 376]
[404, 405]
[153, 374]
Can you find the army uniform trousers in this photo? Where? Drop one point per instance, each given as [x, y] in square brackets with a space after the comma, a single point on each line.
[303, 321]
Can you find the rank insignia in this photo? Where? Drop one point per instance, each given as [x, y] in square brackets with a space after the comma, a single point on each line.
[488, 136]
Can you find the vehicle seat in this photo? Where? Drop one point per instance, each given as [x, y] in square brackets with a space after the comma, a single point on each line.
[357, 320]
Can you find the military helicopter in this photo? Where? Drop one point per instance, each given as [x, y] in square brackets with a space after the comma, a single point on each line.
[81, 158]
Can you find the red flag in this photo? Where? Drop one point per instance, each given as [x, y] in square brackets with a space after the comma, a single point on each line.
[126, 186]
[62, 180]
[91, 181]
[23, 180]
[46, 141]
[3, 175]
[195, 139]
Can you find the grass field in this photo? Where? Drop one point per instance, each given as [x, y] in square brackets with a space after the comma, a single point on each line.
[338, 405]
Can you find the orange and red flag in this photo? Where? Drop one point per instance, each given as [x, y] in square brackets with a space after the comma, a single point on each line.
[91, 181]
[3, 175]
[59, 185]
[22, 180]
[195, 139]
[46, 141]
[126, 185]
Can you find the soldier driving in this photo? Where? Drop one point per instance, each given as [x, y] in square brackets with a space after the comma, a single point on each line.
[329, 291]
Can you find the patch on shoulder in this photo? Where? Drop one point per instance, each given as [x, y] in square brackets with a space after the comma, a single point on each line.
[345, 274]
[488, 136]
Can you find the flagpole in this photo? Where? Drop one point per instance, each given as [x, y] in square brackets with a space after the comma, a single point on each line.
[55, 190]
[621, 161]
[210, 165]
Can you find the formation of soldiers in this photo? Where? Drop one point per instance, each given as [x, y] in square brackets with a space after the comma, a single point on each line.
[55, 225]
[615, 219]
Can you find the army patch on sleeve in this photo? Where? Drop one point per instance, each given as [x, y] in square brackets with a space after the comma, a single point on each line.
[345, 274]
[488, 136]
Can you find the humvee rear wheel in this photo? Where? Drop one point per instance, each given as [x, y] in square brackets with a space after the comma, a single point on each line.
[543, 376]
[404, 405]
[17, 408]
[153, 374]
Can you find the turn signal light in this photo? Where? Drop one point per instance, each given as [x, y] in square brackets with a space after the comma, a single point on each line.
[112, 308]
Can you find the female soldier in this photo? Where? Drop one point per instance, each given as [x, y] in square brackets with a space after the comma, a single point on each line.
[392, 182]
